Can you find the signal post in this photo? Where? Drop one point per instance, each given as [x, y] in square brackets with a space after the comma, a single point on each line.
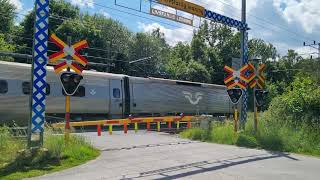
[236, 83]
[257, 85]
[70, 81]
[235, 95]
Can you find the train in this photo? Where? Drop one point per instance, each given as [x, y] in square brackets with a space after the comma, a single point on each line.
[107, 96]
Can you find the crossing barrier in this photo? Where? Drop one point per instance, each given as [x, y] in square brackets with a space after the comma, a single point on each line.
[134, 121]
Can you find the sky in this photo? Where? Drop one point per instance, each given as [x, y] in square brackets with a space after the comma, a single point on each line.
[284, 23]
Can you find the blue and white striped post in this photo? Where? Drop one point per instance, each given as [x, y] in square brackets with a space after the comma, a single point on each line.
[243, 27]
[39, 71]
[244, 101]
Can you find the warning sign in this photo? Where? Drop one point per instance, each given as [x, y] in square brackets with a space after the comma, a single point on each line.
[184, 6]
[167, 15]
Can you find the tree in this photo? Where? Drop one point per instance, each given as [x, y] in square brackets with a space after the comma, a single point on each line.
[176, 68]
[7, 16]
[183, 51]
[266, 51]
[59, 12]
[300, 103]
[108, 39]
[197, 72]
[144, 45]
[4, 46]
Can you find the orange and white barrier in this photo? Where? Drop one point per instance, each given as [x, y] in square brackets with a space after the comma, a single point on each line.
[131, 120]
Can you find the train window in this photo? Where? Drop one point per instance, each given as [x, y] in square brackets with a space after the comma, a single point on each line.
[116, 92]
[81, 92]
[3, 86]
[26, 88]
[188, 83]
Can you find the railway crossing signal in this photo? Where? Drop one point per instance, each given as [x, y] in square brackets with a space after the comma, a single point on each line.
[68, 50]
[235, 95]
[70, 82]
[259, 96]
[238, 78]
[258, 78]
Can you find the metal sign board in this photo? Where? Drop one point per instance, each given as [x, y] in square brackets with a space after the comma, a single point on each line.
[170, 16]
[39, 66]
[184, 6]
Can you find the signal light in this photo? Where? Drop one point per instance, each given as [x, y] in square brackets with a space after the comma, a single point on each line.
[260, 96]
[235, 95]
[70, 82]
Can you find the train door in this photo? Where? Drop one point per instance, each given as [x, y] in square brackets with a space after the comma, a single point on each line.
[116, 98]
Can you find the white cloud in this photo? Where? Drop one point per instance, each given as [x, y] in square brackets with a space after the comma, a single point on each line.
[284, 23]
[83, 3]
[304, 12]
[172, 36]
[230, 8]
[104, 13]
[17, 3]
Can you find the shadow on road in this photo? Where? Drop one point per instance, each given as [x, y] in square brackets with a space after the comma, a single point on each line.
[206, 166]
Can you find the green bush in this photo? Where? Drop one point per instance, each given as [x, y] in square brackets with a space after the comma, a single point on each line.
[223, 133]
[4, 137]
[195, 134]
[18, 163]
[300, 105]
[246, 141]
[9, 146]
[271, 135]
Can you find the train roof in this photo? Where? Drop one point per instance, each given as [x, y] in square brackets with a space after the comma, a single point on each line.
[120, 76]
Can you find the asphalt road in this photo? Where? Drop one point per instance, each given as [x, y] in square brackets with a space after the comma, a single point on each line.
[153, 155]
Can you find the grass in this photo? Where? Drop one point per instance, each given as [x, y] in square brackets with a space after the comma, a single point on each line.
[16, 163]
[271, 135]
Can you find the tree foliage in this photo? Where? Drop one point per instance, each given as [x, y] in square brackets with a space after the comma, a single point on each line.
[7, 16]
[300, 103]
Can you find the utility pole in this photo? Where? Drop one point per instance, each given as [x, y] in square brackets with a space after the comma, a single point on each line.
[243, 54]
[315, 45]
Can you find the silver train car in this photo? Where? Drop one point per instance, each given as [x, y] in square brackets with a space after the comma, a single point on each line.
[106, 95]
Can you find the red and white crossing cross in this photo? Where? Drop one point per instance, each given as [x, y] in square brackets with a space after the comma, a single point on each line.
[233, 79]
[259, 77]
[67, 50]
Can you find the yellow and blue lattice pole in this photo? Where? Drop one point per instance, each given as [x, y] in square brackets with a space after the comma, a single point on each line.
[39, 72]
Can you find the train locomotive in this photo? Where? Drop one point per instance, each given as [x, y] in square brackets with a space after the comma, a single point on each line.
[107, 96]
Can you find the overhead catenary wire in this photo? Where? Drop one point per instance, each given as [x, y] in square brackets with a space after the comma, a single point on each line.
[103, 6]
[261, 19]
[107, 7]
[152, 19]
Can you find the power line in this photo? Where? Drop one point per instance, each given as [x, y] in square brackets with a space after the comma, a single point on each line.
[114, 9]
[261, 19]
[107, 7]
[292, 37]
[93, 48]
